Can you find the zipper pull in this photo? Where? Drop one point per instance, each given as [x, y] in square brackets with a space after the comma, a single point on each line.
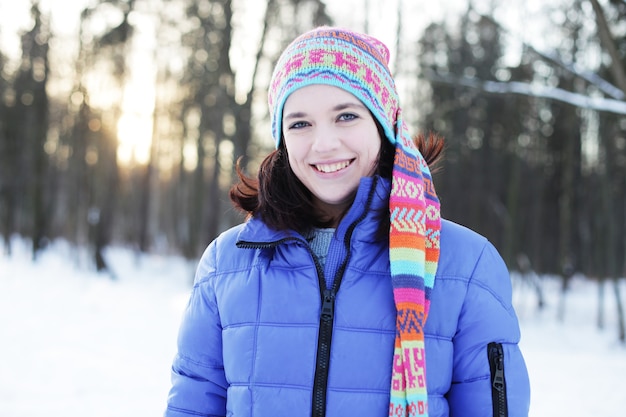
[328, 305]
[498, 376]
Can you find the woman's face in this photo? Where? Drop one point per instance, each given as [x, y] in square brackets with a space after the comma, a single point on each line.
[332, 142]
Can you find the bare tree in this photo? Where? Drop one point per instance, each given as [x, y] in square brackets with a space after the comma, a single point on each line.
[614, 168]
[4, 156]
[26, 172]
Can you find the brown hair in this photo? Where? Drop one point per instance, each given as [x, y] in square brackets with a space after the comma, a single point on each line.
[279, 198]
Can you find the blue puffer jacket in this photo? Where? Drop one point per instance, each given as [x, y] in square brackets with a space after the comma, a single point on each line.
[249, 337]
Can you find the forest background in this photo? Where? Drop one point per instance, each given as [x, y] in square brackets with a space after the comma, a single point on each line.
[121, 120]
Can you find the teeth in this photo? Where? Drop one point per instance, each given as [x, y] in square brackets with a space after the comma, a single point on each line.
[332, 167]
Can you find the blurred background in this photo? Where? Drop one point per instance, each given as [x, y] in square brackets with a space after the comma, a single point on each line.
[121, 120]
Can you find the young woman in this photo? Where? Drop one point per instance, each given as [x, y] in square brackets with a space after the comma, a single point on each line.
[345, 293]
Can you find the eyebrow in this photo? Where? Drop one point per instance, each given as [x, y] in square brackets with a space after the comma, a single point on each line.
[338, 107]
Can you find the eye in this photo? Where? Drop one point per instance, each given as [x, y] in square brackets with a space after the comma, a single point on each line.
[298, 125]
[347, 117]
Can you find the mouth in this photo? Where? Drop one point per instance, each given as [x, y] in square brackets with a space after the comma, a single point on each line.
[329, 168]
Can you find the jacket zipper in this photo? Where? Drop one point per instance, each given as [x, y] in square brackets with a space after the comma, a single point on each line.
[327, 313]
[498, 383]
[323, 353]
[327, 316]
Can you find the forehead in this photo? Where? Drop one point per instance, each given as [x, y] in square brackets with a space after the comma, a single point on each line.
[319, 95]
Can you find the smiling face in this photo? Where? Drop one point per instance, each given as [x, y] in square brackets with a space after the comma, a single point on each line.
[332, 142]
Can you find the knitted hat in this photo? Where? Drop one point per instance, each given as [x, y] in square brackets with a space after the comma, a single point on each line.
[358, 64]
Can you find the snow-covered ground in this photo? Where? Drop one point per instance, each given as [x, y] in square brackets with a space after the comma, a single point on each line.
[76, 343]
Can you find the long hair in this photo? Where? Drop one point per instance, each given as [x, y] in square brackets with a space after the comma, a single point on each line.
[280, 199]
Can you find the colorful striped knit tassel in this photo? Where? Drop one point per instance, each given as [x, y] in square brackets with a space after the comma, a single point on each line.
[413, 254]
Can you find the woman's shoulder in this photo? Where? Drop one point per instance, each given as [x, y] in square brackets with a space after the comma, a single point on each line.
[229, 237]
[224, 243]
[456, 235]
[222, 254]
[463, 249]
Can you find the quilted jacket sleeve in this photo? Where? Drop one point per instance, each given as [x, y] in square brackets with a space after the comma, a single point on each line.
[198, 380]
[490, 377]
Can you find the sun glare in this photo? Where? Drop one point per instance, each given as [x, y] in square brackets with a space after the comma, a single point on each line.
[134, 128]
[134, 132]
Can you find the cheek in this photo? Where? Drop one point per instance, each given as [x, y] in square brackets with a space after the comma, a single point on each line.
[374, 152]
[294, 151]
[373, 156]
[292, 158]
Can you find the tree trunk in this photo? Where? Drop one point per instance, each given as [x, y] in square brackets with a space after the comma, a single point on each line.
[144, 205]
[601, 298]
[41, 208]
[621, 325]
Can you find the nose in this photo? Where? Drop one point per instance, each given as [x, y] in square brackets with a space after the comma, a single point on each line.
[326, 138]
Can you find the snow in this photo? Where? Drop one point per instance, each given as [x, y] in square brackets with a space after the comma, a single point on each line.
[74, 342]
[575, 369]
